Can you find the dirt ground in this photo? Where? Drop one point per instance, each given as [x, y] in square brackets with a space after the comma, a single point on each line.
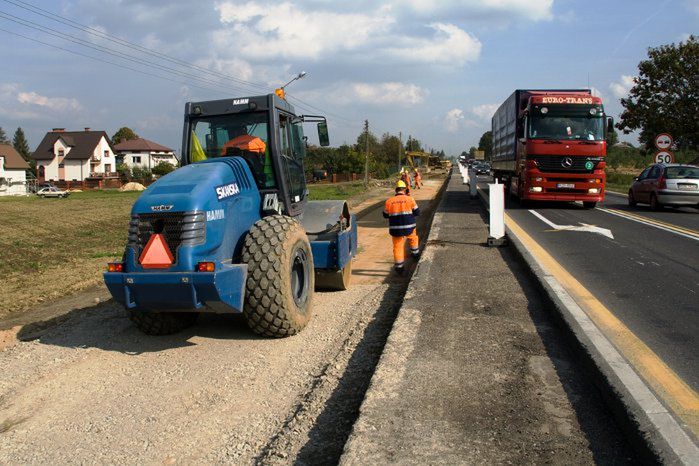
[87, 387]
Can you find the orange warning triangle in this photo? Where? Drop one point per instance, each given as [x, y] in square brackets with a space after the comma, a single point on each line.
[156, 254]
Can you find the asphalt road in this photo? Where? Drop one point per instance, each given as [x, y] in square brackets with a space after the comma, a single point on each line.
[648, 276]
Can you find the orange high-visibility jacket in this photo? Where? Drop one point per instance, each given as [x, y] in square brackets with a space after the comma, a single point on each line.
[401, 211]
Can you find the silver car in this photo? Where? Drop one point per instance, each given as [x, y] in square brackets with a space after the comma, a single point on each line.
[672, 185]
[52, 192]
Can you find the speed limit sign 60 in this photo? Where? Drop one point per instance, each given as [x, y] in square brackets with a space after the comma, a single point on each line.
[664, 157]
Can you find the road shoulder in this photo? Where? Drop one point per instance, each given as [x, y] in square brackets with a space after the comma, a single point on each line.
[472, 371]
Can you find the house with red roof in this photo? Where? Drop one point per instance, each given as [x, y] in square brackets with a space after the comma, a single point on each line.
[144, 153]
[75, 156]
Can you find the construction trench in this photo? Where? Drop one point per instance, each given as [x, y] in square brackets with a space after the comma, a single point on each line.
[88, 387]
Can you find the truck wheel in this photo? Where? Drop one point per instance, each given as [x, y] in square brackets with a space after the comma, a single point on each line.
[589, 204]
[280, 283]
[162, 323]
[335, 281]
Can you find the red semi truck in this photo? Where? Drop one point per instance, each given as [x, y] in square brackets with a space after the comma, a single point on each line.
[549, 145]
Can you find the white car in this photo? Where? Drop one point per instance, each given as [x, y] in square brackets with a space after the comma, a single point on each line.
[52, 192]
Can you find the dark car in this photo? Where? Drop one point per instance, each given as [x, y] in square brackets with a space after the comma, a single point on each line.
[672, 185]
[482, 168]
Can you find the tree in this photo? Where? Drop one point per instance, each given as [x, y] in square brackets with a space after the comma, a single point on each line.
[163, 168]
[3, 136]
[612, 138]
[19, 142]
[413, 144]
[665, 95]
[472, 152]
[123, 134]
[486, 144]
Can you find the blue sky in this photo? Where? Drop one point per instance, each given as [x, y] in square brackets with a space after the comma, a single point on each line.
[432, 69]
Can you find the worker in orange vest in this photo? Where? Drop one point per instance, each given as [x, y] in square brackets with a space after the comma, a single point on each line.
[405, 178]
[401, 210]
[418, 179]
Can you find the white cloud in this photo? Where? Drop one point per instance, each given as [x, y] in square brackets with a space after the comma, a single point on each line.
[534, 10]
[622, 87]
[387, 93]
[485, 111]
[53, 103]
[453, 120]
[450, 45]
[262, 31]
[259, 32]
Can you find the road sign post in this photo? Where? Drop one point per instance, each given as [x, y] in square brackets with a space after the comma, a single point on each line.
[664, 157]
[663, 142]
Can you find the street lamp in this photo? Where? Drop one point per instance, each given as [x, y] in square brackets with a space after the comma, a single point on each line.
[280, 91]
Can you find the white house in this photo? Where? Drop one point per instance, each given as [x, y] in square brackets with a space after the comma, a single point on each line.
[144, 153]
[75, 156]
[13, 171]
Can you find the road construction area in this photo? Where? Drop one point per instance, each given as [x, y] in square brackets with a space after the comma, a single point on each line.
[461, 360]
[88, 387]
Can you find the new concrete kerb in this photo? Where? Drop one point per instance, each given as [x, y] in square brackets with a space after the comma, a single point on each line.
[650, 424]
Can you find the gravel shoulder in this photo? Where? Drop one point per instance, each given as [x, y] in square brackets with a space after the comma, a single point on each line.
[87, 387]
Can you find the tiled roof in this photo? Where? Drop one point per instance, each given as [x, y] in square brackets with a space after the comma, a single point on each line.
[82, 144]
[141, 144]
[12, 158]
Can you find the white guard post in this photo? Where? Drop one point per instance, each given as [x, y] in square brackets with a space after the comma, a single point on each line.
[464, 173]
[496, 194]
[473, 183]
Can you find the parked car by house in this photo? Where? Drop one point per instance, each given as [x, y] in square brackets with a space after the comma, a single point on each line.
[52, 192]
[672, 185]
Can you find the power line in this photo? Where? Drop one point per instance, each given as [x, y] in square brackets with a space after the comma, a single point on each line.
[109, 51]
[119, 65]
[125, 43]
[131, 45]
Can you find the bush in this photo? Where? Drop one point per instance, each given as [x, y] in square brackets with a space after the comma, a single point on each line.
[163, 168]
[141, 173]
[123, 170]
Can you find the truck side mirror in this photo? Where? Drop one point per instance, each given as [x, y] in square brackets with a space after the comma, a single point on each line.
[323, 136]
[610, 124]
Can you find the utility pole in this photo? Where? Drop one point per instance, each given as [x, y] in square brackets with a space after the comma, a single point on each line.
[400, 147]
[366, 155]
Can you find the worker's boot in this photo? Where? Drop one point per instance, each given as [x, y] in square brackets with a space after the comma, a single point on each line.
[415, 253]
[399, 269]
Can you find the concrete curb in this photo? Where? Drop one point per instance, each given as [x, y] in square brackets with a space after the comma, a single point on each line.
[649, 425]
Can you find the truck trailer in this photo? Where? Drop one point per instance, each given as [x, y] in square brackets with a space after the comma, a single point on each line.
[550, 145]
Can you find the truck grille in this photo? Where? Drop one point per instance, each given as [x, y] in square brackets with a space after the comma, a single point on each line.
[555, 163]
[179, 228]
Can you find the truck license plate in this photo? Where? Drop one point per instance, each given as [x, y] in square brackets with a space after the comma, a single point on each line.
[566, 185]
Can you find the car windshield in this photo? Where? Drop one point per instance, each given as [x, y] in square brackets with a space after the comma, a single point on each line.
[568, 122]
[679, 173]
[238, 134]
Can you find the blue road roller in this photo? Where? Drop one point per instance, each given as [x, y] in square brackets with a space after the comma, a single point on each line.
[232, 230]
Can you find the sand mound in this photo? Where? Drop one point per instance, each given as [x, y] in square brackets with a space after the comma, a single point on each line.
[132, 186]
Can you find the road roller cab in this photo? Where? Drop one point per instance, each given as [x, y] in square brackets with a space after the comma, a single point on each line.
[232, 230]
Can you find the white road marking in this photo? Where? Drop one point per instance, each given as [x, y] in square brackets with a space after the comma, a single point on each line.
[649, 224]
[583, 227]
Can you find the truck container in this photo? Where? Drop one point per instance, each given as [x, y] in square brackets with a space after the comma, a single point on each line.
[550, 145]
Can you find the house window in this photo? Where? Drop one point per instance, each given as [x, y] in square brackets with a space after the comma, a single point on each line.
[61, 165]
[106, 153]
[136, 158]
[107, 168]
[61, 152]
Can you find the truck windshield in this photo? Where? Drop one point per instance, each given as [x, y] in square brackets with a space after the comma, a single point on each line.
[239, 134]
[569, 122]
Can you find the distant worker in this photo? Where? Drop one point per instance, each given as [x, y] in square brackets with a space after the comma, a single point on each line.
[401, 211]
[405, 178]
[418, 179]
